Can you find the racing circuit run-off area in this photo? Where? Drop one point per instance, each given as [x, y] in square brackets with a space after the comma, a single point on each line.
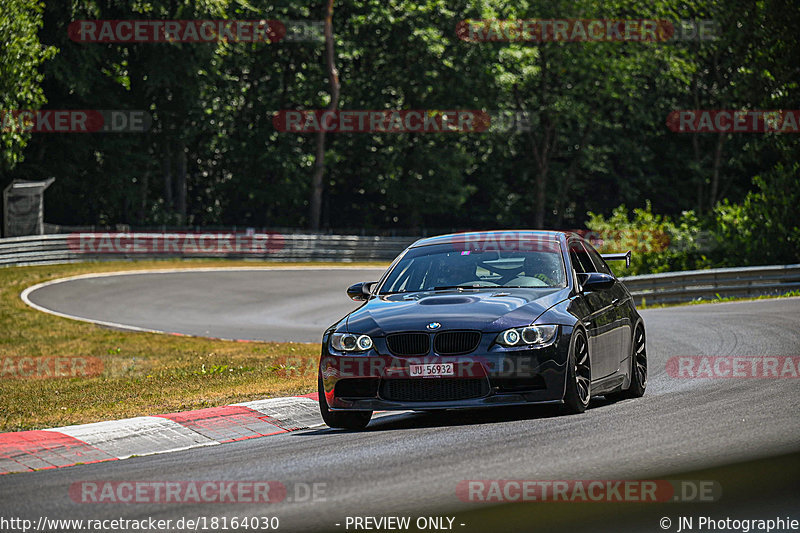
[355, 267]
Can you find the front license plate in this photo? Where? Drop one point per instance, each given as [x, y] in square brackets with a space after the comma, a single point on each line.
[437, 369]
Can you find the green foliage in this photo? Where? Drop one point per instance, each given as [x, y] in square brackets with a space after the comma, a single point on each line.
[764, 229]
[657, 243]
[21, 54]
[597, 110]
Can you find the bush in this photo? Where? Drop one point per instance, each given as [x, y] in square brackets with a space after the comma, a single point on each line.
[657, 243]
[764, 229]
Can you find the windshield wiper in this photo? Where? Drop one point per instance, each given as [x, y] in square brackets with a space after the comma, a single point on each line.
[523, 287]
[441, 288]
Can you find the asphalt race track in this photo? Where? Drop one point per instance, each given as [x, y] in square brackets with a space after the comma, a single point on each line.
[281, 304]
[410, 464]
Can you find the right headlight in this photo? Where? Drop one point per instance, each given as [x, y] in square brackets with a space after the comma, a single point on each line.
[350, 342]
[529, 335]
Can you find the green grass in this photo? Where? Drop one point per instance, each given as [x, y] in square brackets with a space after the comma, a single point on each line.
[719, 299]
[141, 373]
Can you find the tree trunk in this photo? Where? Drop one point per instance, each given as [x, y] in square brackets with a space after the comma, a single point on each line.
[699, 175]
[569, 178]
[166, 168]
[316, 182]
[143, 198]
[698, 157]
[717, 161]
[712, 196]
[541, 187]
[180, 174]
[319, 159]
[543, 153]
[543, 146]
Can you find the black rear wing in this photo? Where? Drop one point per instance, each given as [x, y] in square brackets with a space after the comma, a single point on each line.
[624, 256]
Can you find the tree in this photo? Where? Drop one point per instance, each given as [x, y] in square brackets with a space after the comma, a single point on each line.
[20, 79]
[319, 158]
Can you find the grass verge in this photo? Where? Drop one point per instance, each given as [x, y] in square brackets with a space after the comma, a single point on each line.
[719, 299]
[134, 373]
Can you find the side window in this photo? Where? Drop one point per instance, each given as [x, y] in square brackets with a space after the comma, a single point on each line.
[580, 258]
[599, 264]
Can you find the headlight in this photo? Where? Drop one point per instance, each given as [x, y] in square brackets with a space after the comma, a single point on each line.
[349, 342]
[529, 335]
[511, 337]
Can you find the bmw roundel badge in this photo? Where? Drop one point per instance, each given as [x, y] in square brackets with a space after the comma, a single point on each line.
[434, 325]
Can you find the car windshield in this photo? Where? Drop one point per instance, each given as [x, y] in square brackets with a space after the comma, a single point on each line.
[443, 267]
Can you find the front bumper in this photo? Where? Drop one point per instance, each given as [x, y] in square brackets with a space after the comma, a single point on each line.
[491, 376]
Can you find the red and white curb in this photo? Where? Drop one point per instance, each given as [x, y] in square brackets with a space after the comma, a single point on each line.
[25, 451]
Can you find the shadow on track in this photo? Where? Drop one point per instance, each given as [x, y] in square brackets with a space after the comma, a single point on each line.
[459, 417]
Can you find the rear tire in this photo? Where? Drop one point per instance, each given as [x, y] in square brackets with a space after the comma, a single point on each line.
[579, 376]
[355, 420]
[638, 369]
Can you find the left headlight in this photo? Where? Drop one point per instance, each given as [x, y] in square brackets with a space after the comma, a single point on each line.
[350, 342]
[529, 335]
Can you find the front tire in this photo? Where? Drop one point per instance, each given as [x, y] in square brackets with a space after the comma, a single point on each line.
[355, 420]
[579, 376]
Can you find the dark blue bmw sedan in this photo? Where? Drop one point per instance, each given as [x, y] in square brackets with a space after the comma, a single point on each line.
[485, 319]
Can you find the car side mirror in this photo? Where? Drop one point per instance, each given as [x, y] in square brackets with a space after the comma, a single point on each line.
[596, 281]
[360, 291]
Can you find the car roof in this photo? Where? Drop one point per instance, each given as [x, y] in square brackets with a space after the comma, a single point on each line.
[497, 234]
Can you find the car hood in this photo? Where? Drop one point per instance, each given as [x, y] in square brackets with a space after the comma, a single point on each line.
[485, 310]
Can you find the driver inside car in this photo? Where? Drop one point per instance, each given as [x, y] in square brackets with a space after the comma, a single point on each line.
[538, 270]
[456, 273]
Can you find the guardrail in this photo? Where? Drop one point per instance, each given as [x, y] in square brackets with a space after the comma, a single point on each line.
[70, 248]
[676, 287]
[670, 287]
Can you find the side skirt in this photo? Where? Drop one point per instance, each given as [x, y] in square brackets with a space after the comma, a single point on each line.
[608, 384]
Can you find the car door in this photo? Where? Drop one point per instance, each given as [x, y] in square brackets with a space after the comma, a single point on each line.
[601, 321]
[623, 326]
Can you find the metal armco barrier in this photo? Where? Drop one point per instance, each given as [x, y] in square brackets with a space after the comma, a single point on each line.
[670, 287]
[74, 247]
[676, 287]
